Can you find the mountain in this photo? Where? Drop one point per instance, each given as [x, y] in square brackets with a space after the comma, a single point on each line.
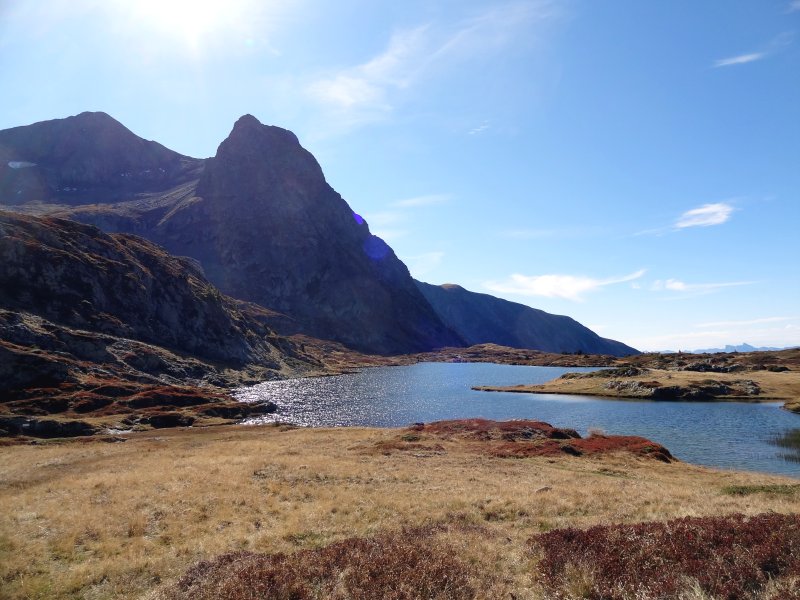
[261, 223]
[481, 318]
[86, 158]
[737, 348]
[75, 276]
[88, 319]
[268, 229]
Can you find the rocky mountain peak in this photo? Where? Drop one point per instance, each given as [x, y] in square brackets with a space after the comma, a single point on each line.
[260, 156]
[269, 229]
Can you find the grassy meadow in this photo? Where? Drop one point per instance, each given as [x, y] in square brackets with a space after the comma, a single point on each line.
[93, 519]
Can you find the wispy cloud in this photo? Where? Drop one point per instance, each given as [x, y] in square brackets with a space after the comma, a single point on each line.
[369, 91]
[747, 323]
[569, 287]
[794, 6]
[705, 216]
[741, 59]
[676, 285]
[426, 200]
[422, 264]
[777, 43]
[387, 225]
[397, 221]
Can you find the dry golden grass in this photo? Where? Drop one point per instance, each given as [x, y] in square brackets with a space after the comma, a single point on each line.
[100, 520]
[774, 386]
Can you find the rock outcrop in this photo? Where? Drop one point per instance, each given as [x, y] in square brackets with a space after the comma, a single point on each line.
[481, 318]
[521, 438]
[121, 285]
[95, 325]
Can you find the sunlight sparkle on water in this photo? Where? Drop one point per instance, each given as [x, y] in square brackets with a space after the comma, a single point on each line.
[723, 434]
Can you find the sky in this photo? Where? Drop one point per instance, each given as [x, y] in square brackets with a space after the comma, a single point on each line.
[634, 165]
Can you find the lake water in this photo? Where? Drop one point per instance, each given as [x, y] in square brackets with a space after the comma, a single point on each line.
[725, 434]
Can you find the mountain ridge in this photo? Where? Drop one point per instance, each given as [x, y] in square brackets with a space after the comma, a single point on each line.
[482, 318]
[260, 219]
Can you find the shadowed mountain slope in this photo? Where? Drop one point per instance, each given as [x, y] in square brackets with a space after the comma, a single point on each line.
[268, 228]
[75, 276]
[481, 318]
[90, 157]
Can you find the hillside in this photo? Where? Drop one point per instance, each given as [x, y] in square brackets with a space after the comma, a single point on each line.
[481, 318]
[90, 320]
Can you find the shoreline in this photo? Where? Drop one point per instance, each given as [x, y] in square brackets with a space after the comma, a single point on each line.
[662, 385]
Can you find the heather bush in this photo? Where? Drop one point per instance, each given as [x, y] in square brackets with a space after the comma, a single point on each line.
[734, 557]
[412, 563]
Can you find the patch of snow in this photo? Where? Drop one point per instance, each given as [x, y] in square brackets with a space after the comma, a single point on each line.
[20, 164]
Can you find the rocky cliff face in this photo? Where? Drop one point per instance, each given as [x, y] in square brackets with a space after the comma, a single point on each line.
[267, 228]
[111, 328]
[86, 158]
[481, 318]
[122, 285]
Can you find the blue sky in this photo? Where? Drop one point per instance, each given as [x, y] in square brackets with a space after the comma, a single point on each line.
[632, 164]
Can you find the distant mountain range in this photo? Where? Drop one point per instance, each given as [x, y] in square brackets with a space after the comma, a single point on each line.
[738, 348]
[259, 222]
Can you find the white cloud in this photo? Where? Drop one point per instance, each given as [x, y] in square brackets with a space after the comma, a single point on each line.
[569, 287]
[369, 91]
[747, 322]
[676, 285]
[776, 44]
[705, 216]
[426, 200]
[794, 6]
[741, 59]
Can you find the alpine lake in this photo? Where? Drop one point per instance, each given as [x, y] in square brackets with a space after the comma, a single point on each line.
[729, 435]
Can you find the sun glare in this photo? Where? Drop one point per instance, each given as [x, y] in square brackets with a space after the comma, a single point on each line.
[192, 22]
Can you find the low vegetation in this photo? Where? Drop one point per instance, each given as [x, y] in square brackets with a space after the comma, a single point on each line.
[718, 557]
[759, 385]
[115, 519]
[423, 562]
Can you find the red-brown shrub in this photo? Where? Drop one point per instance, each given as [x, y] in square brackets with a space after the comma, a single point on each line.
[412, 563]
[731, 557]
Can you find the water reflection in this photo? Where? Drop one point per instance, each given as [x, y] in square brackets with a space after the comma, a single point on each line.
[789, 440]
[725, 434]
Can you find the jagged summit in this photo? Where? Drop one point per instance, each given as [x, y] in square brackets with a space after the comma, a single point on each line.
[268, 229]
[260, 155]
[249, 125]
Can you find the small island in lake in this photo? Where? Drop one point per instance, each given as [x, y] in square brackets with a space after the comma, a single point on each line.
[735, 377]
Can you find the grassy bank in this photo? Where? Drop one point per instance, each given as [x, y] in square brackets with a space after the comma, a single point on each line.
[94, 519]
[662, 384]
